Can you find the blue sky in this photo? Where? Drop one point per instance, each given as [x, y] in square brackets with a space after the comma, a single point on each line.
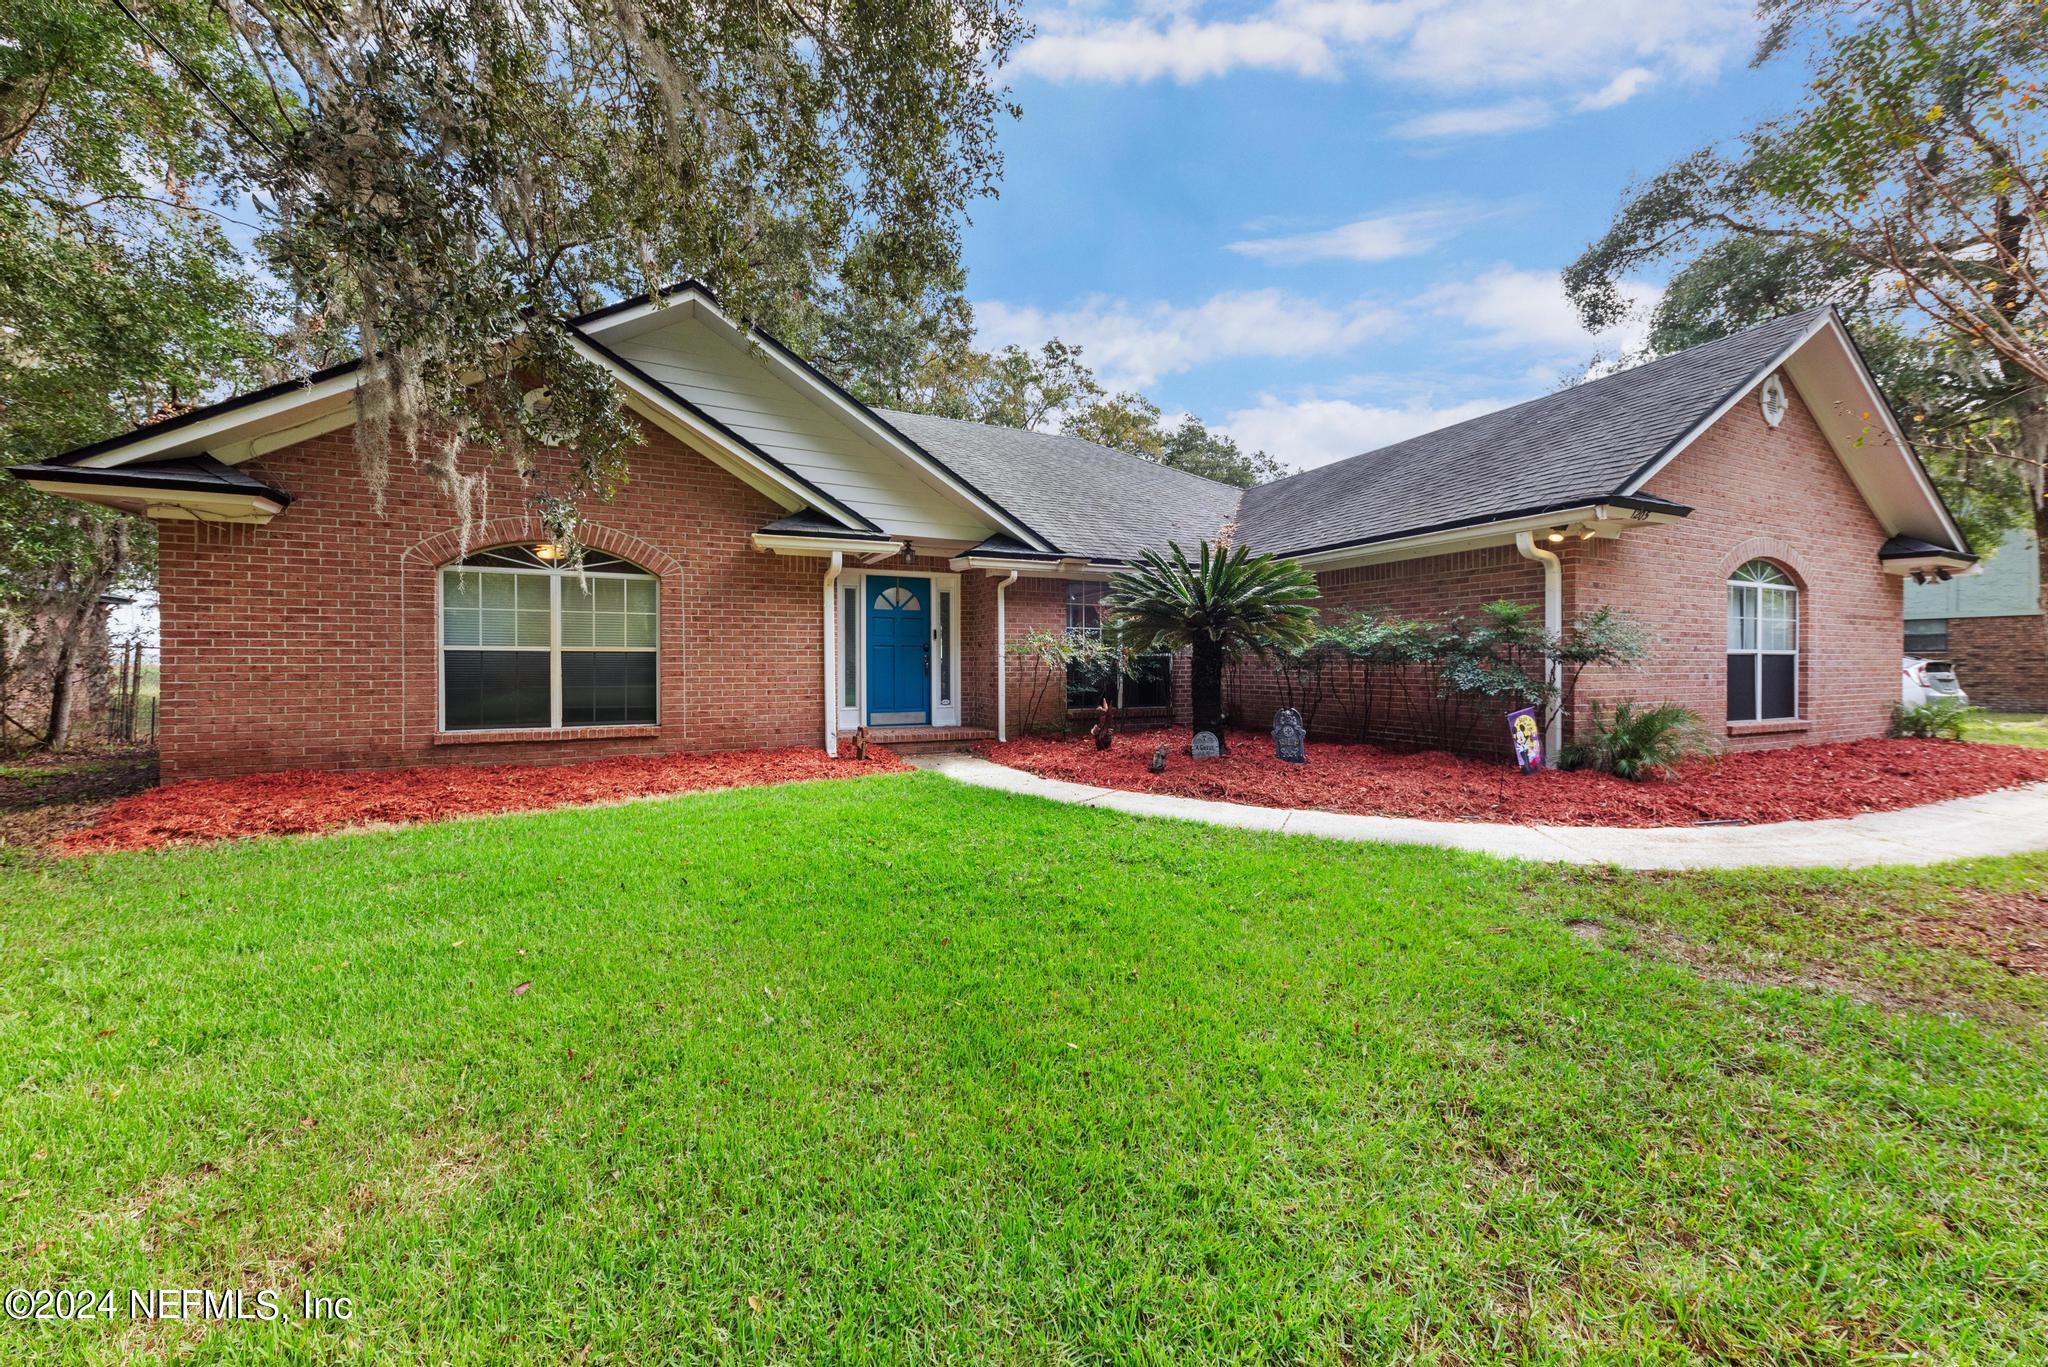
[1324, 225]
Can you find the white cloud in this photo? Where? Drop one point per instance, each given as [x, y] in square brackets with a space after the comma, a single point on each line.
[1518, 310]
[1132, 344]
[1138, 50]
[1509, 116]
[1379, 237]
[1307, 432]
[1625, 86]
[1454, 45]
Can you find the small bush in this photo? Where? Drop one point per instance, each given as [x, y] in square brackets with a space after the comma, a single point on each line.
[1637, 742]
[1940, 719]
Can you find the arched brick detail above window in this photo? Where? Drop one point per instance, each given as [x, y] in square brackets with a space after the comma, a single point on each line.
[1774, 549]
[446, 546]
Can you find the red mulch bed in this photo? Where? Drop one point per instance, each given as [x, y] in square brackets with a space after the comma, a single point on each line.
[303, 801]
[1798, 783]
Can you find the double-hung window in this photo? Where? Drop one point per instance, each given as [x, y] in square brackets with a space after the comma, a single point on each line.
[1763, 644]
[1148, 682]
[528, 645]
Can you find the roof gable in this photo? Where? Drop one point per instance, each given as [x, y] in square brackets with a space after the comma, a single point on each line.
[1587, 442]
[786, 408]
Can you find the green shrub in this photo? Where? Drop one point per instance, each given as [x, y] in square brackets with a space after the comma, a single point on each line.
[1637, 742]
[1940, 719]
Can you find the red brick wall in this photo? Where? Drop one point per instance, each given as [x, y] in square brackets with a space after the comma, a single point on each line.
[311, 642]
[2002, 661]
[1434, 587]
[1778, 494]
[1028, 605]
[1757, 491]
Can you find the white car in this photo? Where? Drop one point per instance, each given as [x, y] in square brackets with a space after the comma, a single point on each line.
[1924, 680]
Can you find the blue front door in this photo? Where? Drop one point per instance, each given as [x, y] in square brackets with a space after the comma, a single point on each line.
[899, 650]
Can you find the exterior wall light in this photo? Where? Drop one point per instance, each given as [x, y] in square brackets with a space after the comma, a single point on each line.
[1556, 536]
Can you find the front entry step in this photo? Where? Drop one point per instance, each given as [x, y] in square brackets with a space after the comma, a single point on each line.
[921, 740]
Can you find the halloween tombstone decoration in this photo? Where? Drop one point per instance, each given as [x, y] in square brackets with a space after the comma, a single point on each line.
[860, 742]
[1158, 764]
[1288, 736]
[1205, 746]
[1104, 730]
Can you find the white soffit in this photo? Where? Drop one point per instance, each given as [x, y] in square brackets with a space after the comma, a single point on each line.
[1858, 424]
[1852, 414]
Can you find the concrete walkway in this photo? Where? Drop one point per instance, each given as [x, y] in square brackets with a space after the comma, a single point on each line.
[2011, 821]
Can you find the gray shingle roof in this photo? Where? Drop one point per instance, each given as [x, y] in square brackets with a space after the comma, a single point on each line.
[1581, 443]
[1085, 499]
[811, 522]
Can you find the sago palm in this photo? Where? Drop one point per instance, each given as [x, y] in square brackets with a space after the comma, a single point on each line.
[1221, 606]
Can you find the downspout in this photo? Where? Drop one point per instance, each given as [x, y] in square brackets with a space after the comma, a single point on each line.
[1002, 669]
[831, 653]
[1553, 627]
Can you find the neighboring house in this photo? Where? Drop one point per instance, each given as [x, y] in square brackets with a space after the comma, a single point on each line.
[1990, 624]
[786, 564]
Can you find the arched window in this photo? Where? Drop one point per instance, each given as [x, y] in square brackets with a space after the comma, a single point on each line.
[1763, 644]
[526, 644]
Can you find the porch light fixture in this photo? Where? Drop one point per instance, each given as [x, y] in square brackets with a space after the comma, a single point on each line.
[1587, 534]
[1556, 536]
[548, 550]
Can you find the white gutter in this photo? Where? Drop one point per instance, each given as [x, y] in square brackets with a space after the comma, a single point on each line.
[820, 545]
[831, 652]
[1553, 627]
[1612, 520]
[1002, 664]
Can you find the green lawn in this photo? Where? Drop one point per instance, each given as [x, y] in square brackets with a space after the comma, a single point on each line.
[2009, 728]
[892, 1069]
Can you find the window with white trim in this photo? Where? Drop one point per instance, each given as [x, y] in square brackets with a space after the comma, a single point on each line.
[1763, 644]
[1148, 682]
[529, 645]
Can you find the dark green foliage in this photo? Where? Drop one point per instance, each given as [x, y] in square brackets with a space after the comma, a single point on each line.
[1936, 719]
[1223, 605]
[1638, 742]
[1903, 189]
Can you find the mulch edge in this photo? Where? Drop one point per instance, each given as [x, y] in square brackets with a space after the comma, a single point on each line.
[71, 845]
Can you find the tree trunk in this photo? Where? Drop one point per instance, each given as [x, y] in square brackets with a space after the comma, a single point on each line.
[63, 685]
[1205, 685]
[76, 606]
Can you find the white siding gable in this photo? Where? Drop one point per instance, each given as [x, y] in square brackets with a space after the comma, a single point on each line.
[729, 381]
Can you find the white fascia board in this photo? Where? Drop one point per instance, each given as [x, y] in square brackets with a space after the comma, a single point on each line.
[241, 423]
[821, 546]
[1881, 406]
[1608, 518]
[1071, 568]
[778, 359]
[1958, 566]
[175, 504]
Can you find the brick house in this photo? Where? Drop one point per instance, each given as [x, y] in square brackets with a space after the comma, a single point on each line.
[787, 564]
[1989, 625]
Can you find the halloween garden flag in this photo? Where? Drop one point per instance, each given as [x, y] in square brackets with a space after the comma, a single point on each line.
[1528, 737]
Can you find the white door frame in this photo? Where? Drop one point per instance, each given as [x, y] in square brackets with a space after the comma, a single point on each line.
[945, 589]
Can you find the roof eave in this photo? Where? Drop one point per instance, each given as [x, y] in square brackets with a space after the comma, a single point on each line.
[160, 500]
[806, 543]
[1605, 515]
